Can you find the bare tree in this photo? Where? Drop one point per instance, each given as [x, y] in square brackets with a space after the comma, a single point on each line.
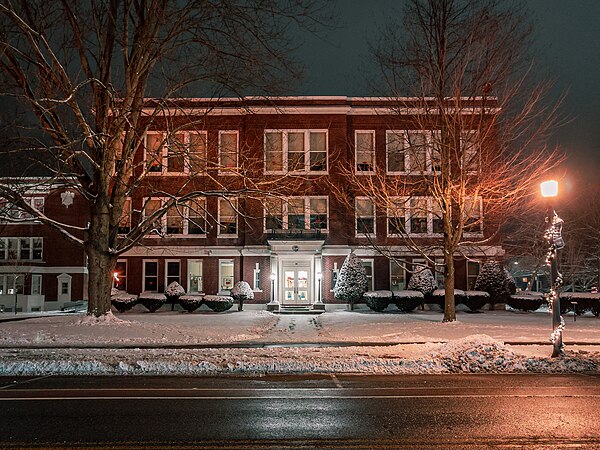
[469, 130]
[87, 73]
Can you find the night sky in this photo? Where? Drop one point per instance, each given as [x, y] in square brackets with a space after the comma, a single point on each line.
[567, 46]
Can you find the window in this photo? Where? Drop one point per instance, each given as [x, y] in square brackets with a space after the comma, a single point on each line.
[13, 212]
[151, 276]
[64, 287]
[120, 275]
[228, 151]
[334, 275]
[472, 272]
[368, 265]
[469, 146]
[177, 153]
[125, 221]
[36, 284]
[397, 276]
[196, 217]
[227, 217]
[24, 248]
[175, 219]
[197, 152]
[225, 274]
[172, 272]
[152, 206]
[436, 154]
[8, 283]
[394, 141]
[472, 213]
[295, 151]
[194, 277]
[365, 216]
[396, 216]
[437, 217]
[419, 212]
[274, 214]
[439, 272]
[365, 151]
[410, 151]
[297, 213]
[256, 279]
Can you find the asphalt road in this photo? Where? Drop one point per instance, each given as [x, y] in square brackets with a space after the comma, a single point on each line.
[299, 412]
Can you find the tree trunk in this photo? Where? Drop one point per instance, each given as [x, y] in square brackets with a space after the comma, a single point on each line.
[449, 306]
[101, 264]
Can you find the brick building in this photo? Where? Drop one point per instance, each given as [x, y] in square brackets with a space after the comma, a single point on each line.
[288, 250]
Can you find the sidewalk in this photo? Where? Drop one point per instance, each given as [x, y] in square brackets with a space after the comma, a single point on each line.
[259, 342]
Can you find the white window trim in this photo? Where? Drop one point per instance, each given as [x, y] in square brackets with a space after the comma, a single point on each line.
[221, 261]
[256, 272]
[64, 278]
[284, 149]
[235, 205]
[392, 262]
[335, 271]
[356, 133]
[356, 232]
[39, 277]
[404, 134]
[189, 281]
[144, 274]
[163, 220]
[229, 171]
[307, 211]
[467, 274]
[408, 215]
[18, 239]
[478, 233]
[186, 223]
[122, 260]
[165, 153]
[404, 201]
[167, 261]
[370, 261]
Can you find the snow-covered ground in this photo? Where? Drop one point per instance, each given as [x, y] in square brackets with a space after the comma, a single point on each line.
[493, 341]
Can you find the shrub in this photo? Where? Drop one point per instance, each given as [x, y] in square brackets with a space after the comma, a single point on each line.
[475, 300]
[351, 282]
[218, 303]
[173, 292]
[122, 301]
[242, 291]
[422, 281]
[152, 300]
[586, 301]
[525, 301]
[496, 281]
[438, 297]
[407, 301]
[378, 300]
[191, 302]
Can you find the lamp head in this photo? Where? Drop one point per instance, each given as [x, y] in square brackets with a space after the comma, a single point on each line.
[319, 275]
[549, 188]
[273, 276]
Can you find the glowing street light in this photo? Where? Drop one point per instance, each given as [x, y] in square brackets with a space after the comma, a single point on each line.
[552, 235]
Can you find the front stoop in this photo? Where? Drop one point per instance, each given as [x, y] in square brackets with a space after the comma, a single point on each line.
[300, 309]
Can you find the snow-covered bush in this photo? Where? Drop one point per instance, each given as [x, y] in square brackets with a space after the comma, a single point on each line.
[351, 282]
[242, 291]
[407, 301]
[378, 300]
[438, 297]
[496, 281]
[422, 281]
[218, 303]
[122, 301]
[174, 291]
[586, 301]
[152, 300]
[525, 301]
[475, 300]
[191, 302]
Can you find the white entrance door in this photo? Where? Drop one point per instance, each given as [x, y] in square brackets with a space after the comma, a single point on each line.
[296, 282]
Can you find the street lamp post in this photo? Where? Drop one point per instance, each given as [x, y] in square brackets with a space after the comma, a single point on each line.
[319, 276]
[552, 235]
[273, 304]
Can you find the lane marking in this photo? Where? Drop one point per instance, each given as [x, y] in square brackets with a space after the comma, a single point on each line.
[316, 397]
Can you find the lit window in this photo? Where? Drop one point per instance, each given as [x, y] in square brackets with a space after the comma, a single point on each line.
[296, 151]
[120, 275]
[418, 215]
[365, 151]
[396, 217]
[365, 216]
[197, 152]
[227, 217]
[368, 265]
[194, 277]
[228, 151]
[397, 276]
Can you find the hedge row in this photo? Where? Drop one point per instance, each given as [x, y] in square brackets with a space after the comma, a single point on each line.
[153, 301]
[407, 301]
